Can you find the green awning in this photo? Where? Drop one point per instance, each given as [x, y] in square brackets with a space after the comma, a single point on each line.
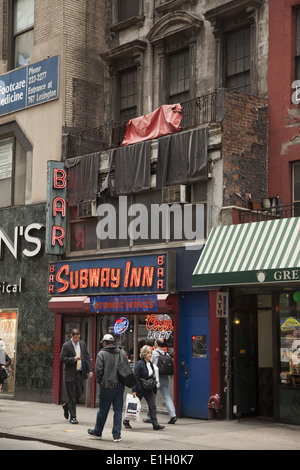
[253, 253]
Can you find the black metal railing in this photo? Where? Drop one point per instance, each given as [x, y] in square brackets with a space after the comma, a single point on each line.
[278, 212]
[198, 111]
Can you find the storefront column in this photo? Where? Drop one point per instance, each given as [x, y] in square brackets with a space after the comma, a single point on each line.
[56, 359]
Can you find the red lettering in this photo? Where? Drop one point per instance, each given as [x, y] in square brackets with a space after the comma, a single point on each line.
[94, 275]
[56, 237]
[160, 284]
[148, 276]
[74, 279]
[160, 272]
[59, 178]
[135, 278]
[152, 323]
[65, 268]
[161, 260]
[79, 237]
[51, 290]
[115, 277]
[84, 278]
[52, 268]
[56, 208]
[105, 277]
[126, 276]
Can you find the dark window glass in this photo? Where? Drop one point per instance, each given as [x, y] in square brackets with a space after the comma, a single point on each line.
[128, 94]
[238, 60]
[128, 9]
[179, 73]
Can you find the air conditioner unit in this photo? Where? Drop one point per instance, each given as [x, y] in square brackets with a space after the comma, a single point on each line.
[87, 209]
[175, 194]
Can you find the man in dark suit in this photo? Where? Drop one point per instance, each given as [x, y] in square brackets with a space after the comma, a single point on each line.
[74, 355]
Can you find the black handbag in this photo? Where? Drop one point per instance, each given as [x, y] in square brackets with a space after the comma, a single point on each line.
[148, 383]
[3, 375]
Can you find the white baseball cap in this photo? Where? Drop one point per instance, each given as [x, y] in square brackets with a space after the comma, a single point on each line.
[107, 338]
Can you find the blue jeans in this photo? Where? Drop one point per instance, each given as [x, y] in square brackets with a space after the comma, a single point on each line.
[108, 396]
[164, 389]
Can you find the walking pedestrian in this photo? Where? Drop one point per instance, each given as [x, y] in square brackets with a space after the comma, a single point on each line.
[111, 390]
[143, 370]
[5, 361]
[163, 383]
[74, 355]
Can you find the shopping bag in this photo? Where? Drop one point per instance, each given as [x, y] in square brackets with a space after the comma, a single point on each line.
[132, 408]
[156, 372]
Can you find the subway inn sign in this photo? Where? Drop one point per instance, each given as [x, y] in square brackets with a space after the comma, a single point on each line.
[153, 273]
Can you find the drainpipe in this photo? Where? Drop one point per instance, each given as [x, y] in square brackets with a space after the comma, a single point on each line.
[151, 65]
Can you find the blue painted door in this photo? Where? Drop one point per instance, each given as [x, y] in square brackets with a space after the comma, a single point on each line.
[195, 369]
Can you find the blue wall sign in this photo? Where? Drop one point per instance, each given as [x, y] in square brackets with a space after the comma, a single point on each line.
[124, 303]
[29, 86]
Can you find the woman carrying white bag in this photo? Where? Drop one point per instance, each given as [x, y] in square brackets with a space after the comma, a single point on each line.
[146, 386]
[132, 408]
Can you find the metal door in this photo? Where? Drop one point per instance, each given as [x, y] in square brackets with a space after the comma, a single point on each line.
[244, 363]
[195, 367]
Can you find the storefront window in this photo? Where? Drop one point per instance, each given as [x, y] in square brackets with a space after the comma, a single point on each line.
[290, 338]
[132, 331]
[8, 335]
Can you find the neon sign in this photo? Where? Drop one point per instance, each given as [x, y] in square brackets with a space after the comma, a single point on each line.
[135, 274]
[159, 326]
[120, 325]
[56, 209]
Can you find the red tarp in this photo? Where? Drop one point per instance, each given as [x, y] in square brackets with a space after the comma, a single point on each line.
[164, 120]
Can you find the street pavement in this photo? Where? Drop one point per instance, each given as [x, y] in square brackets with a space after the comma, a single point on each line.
[44, 422]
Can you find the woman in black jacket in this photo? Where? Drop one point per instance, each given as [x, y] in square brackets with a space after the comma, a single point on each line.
[144, 369]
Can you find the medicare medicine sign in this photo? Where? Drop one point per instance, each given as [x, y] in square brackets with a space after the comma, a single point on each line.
[29, 86]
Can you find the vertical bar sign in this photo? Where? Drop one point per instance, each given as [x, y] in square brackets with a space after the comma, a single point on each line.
[56, 208]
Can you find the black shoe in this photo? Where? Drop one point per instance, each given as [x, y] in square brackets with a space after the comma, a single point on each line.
[66, 411]
[73, 421]
[127, 424]
[146, 420]
[172, 420]
[158, 427]
[92, 433]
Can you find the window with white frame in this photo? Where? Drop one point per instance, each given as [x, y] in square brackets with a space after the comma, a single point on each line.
[12, 172]
[23, 31]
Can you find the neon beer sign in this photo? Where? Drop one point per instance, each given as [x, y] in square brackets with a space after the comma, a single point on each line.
[159, 326]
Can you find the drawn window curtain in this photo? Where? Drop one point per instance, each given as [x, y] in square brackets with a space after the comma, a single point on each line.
[82, 178]
[182, 158]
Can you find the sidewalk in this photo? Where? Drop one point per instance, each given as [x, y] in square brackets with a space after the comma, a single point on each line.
[45, 422]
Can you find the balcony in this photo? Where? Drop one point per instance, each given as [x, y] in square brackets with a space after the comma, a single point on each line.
[201, 110]
[270, 213]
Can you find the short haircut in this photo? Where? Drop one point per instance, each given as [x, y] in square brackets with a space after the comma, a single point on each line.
[75, 332]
